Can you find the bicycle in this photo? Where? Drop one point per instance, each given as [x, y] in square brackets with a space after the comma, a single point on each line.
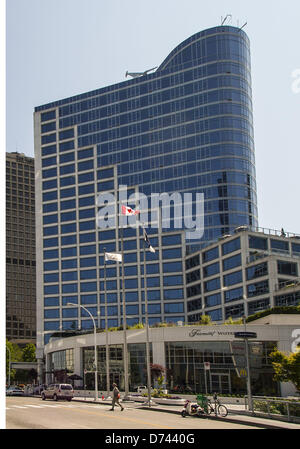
[217, 407]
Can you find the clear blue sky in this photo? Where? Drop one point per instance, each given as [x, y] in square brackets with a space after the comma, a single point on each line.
[59, 48]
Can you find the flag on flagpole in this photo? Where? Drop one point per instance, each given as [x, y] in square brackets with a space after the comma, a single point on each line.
[113, 256]
[146, 238]
[128, 211]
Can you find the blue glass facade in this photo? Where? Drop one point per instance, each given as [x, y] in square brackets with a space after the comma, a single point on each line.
[185, 128]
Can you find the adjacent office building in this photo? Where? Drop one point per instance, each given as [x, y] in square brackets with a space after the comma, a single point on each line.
[243, 274]
[185, 128]
[20, 249]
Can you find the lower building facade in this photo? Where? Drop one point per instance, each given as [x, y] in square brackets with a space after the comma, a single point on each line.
[184, 351]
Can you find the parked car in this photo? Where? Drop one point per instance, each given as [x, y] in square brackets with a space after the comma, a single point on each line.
[58, 391]
[37, 389]
[14, 391]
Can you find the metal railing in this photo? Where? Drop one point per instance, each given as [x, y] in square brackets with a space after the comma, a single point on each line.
[276, 408]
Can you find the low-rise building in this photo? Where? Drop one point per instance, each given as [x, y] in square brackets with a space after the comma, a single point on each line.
[185, 351]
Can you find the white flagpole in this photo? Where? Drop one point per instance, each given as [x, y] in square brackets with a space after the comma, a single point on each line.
[147, 326]
[124, 316]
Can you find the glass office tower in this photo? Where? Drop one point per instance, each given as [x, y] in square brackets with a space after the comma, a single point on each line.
[185, 128]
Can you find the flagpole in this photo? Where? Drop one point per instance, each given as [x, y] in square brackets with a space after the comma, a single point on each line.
[147, 327]
[124, 317]
[106, 332]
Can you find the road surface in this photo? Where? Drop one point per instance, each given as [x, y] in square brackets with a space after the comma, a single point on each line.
[33, 413]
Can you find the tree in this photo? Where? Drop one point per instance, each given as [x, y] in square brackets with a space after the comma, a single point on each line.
[14, 354]
[29, 353]
[205, 319]
[286, 367]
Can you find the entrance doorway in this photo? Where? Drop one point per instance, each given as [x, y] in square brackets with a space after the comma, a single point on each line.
[220, 383]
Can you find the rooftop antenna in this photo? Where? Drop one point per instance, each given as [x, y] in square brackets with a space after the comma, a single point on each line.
[137, 74]
[225, 18]
[243, 25]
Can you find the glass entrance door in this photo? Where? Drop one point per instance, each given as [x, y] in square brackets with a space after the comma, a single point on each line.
[220, 383]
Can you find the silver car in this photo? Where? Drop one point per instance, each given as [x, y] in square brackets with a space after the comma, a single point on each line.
[58, 391]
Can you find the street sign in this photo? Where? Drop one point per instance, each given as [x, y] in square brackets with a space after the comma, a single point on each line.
[245, 334]
[243, 372]
[207, 366]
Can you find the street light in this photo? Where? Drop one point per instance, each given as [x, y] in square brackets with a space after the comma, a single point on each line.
[95, 344]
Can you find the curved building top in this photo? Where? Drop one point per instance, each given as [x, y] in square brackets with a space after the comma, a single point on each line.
[205, 46]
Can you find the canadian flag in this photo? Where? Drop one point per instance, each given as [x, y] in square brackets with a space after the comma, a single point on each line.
[128, 211]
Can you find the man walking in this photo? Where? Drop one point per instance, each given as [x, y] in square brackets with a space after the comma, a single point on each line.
[116, 397]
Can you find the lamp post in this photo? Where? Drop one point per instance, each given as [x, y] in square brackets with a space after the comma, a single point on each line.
[95, 345]
[106, 331]
[250, 405]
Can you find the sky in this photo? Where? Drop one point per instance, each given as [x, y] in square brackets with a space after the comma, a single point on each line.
[59, 48]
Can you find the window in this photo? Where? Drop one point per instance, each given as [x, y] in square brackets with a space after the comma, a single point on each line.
[193, 276]
[69, 263]
[211, 254]
[171, 253]
[83, 154]
[88, 262]
[234, 311]
[171, 240]
[50, 266]
[86, 177]
[69, 252]
[213, 284]
[213, 300]
[256, 306]
[49, 115]
[67, 169]
[67, 134]
[69, 288]
[231, 246]
[87, 201]
[232, 262]
[172, 280]
[85, 225]
[86, 189]
[88, 237]
[47, 219]
[215, 315]
[88, 249]
[87, 213]
[210, 270]
[85, 165]
[69, 276]
[174, 307]
[192, 262]
[68, 228]
[88, 299]
[68, 216]
[258, 243]
[49, 196]
[50, 242]
[279, 246]
[69, 240]
[233, 278]
[258, 288]
[51, 277]
[68, 204]
[287, 268]
[88, 274]
[257, 271]
[88, 286]
[171, 267]
[233, 294]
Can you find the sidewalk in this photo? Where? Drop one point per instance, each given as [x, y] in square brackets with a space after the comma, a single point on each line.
[236, 413]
